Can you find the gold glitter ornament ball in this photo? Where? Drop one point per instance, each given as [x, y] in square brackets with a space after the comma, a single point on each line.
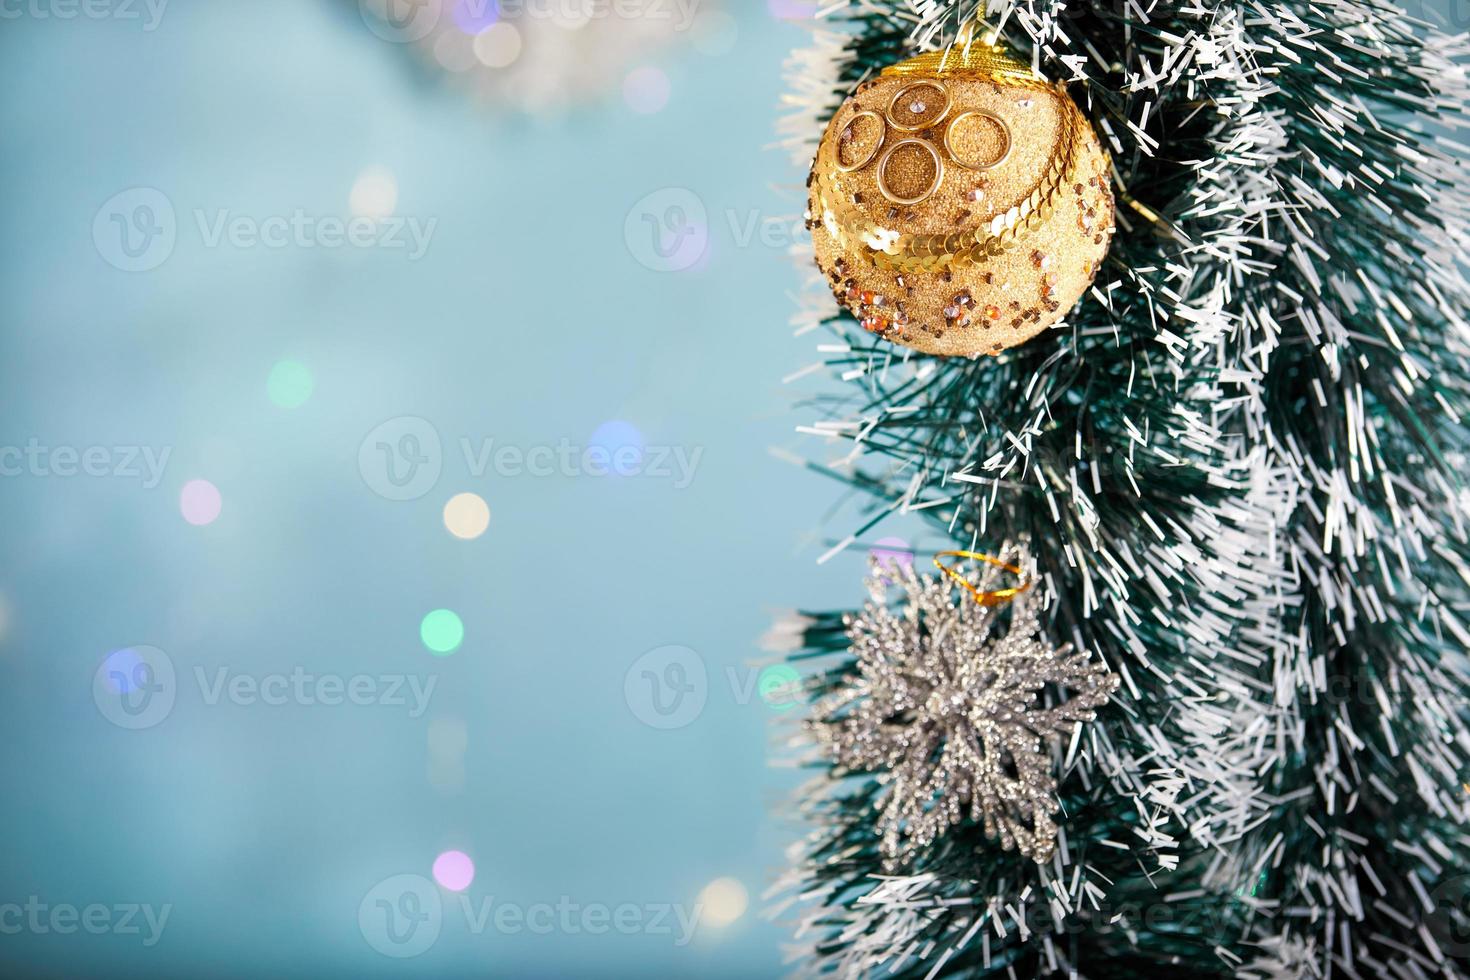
[960, 204]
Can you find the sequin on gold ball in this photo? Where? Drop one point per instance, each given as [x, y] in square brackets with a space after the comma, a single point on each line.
[960, 204]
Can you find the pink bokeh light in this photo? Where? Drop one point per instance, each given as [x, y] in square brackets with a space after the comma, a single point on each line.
[200, 502]
[454, 870]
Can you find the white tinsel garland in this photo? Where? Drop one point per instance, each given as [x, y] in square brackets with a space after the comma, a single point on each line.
[1249, 668]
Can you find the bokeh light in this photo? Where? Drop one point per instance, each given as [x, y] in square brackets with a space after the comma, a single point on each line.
[646, 90]
[374, 193]
[696, 243]
[892, 553]
[454, 870]
[446, 758]
[200, 502]
[442, 632]
[724, 901]
[449, 737]
[475, 16]
[454, 51]
[622, 445]
[498, 46]
[780, 687]
[290, 384]
[466, 515]
[123, 671]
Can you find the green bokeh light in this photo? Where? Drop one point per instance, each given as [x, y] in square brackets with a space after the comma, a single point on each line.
[780, 687]
[290, 384]
[442, 632]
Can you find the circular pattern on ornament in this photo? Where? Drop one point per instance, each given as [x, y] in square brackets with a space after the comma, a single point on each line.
[978, 140]
[959, 215]
[918, 106]
[861, 140]
[911, 170]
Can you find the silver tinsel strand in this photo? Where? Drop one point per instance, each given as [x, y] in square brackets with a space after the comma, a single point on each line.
[949, 709]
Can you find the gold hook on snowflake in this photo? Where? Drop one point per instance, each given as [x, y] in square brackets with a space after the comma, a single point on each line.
[996, 597]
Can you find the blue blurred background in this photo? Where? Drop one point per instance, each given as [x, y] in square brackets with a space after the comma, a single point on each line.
[230, 434]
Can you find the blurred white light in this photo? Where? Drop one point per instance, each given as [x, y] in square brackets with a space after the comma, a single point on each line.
[448, 738]
[454, 51]
[446, 776]
[499, 45]
[466, 515]
[374, 194]
[646, 90]
[724, 901]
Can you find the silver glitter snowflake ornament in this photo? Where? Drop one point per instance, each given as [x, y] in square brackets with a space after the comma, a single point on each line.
[952, 716]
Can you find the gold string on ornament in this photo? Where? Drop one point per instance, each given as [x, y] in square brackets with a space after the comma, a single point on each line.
[996, 597]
